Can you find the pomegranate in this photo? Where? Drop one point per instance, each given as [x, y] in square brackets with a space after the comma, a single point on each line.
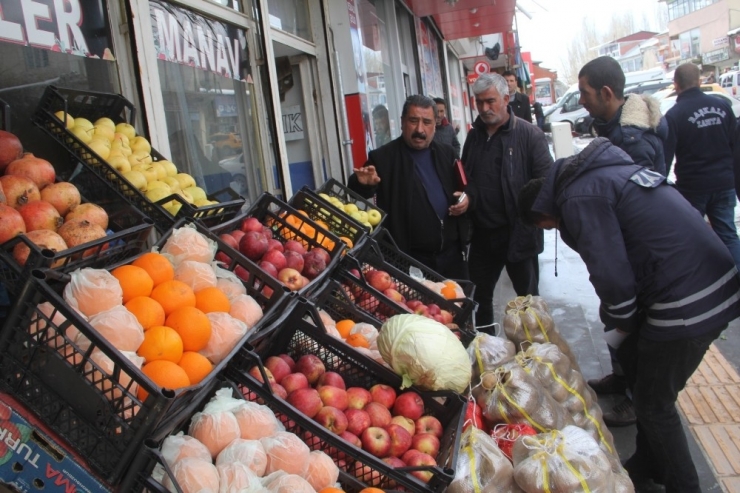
[11, 223]
[10, 149]
[19, 190]
[63, 196]
[38, 170]
[42, 238]
[89, 212]
[40, 214]
[79, 231]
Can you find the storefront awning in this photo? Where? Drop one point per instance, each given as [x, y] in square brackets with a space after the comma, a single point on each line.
[466, 18]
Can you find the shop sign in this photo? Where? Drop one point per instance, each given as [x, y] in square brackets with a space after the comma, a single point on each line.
[184, 37]
[724, 41]
[715, 56]
[71, 26]
[293, 122]
[472, 78]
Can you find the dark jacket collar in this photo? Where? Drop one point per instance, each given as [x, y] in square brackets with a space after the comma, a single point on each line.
[689, 93]
[506, 127]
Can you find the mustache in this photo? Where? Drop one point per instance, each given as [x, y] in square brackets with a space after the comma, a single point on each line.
[419, 135]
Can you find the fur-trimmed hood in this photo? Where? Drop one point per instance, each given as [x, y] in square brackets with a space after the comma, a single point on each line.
[641, 111]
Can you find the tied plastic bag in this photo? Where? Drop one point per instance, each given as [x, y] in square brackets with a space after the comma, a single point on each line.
[246, 309]
[92, 291]
[180, 446]
[322, 472]
[256, 421]
[280, 482]
[228, 282]
[567, 461]
[488, 352]
[193, 476]
[286, 452]
[195, 274]
[216, 426]
[188, 244]
[236, 477]
[249, 452]
[118, 326]
[226, 332]
[481, 466]
[527, 318]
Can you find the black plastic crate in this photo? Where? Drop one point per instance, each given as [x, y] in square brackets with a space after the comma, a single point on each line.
[94, 105]
[338, 222]
[289, 224]
[4, 116]
[334, 188]
[303, 333]
[102, 419]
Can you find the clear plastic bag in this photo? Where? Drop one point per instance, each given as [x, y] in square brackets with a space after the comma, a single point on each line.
[92, 291]
[488, 352]
[481, 466]
[188, 244]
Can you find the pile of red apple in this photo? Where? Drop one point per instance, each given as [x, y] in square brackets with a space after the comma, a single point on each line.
[289, 262]
[390, 427]
[383, 282]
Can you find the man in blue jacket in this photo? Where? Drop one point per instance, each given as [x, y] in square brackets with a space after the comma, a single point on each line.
[635, 125]
[665, 281]
[701, 133]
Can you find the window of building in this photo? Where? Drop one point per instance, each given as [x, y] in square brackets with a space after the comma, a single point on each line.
[292, 17]
[679, 8]
[690, 43]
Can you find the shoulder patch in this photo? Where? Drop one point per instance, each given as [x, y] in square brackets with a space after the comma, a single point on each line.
[647, 178]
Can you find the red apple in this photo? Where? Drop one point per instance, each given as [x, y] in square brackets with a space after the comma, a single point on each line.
[394, 462]
[380, 416]
[358, 397]
[418, 460]
[323, 254]
[241, 273]
[313, 265]
[289, 360]
[273, 244]
[334, 397]
[383, 394]
[426, 443]
[332, 419]
[447, 317]
[229, 240]
[331, 378]
[257, 374]
[267, 231]
[294, 260]
[429, 424]
[253, 245]
[291, 278]
[222, 257]
[379, 279]
[276, 258]
[355, 273]
[238, 235]
[406, 457]
[311, 366]
[306, 401]
[277, 367]
[294, 246]
[410, 405]
[351, 438]
[413, 304]
[279, 391]
[269, 268]
[433, 308]
[376, 441]
[294, 381]
[400, 439]
[357, 421]
[394, 295]
[251, 224]
[405, 422]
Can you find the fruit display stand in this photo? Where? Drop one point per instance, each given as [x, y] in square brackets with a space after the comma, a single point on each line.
[334, 189]
[303, 333]
[287, 223]
[94, 105]
[338, 222]
[352, 270]
[96, 410]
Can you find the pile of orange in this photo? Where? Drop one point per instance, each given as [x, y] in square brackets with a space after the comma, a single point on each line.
[344, 327]
[449, 291]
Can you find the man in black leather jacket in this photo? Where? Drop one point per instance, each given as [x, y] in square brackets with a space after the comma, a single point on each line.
[519, 102]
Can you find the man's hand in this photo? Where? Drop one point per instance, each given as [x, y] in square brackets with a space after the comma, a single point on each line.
[367, 175]
[458, 209]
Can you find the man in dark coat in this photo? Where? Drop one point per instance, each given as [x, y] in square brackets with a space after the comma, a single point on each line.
[519, 102]
[501, 154]
[665, 281]
[413, 181]
[444, 133]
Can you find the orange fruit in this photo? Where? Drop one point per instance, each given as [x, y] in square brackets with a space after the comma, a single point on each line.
[157, 265]
[330, 489]
[164, 373]
[147, 311]
[344, 326]
[173, 295]
[347, 241]
[195, 365]
[449, 292]
[358, 340]
[161, 342]
[212, 299]
[371, 490]
[193, 326]
[134, 281]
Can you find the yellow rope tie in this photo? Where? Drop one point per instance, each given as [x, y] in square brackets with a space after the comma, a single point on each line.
[539, 323]
[545, 473]
[471, 456]
[520, 409]
[503, 412]
[478, 356]
[573, 470]
[527, 335]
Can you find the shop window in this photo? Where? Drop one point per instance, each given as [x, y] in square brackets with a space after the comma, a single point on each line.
[292, 17]
[209, 103]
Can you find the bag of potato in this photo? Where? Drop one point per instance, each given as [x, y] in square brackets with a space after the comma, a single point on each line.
[488, 352]
[527, 318]
[510, 395]
[481, 466]
[592, 422]
[565, 461]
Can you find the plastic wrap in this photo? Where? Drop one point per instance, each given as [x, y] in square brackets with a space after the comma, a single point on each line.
[249, 452]
[488, 352]
[188, 244]
[91, 291]
[193, 476]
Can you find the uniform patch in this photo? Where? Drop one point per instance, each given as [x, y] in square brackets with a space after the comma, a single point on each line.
[647, 178]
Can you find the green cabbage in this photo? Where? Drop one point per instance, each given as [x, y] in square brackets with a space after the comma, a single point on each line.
[425, 353]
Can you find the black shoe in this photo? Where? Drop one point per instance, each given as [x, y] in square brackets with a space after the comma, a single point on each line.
[610, 384]
[623, 414]
[647, 486]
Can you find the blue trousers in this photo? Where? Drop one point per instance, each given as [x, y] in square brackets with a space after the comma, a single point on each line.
[719, 207]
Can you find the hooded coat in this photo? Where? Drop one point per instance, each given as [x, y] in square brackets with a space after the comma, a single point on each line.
[652, 259]
[640, 130]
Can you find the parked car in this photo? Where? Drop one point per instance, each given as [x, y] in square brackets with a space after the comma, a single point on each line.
[730, 82]
[670, 91]
[668, 102]
[648, 87]
[567, 109]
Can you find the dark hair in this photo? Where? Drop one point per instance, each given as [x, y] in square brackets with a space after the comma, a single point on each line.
[686, 76]
[604, 71]
[527, 197]
[380, 111]
[507, 73]
[440, 101]
[418, 100]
